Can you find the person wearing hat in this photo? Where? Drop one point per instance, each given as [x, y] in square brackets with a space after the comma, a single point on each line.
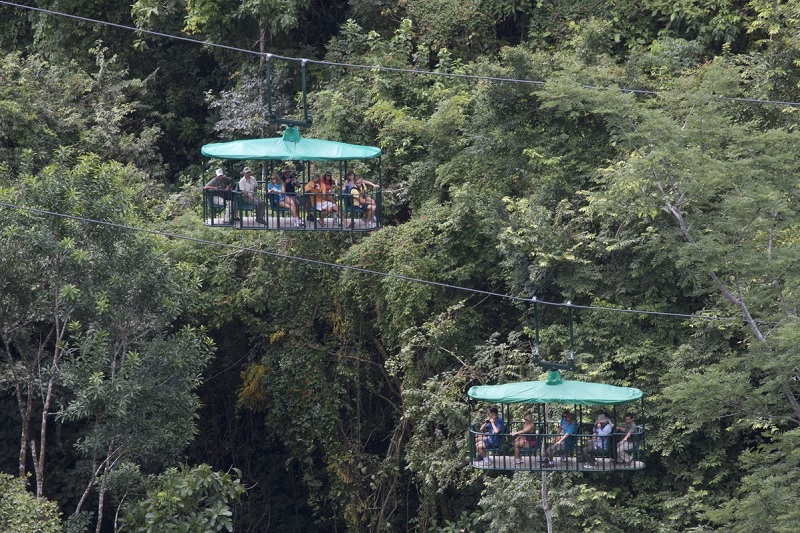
[248, 186]
[598, 443]
[286, 173]
[221, 185]
[290, 183]
[327, 177]
[328, 181]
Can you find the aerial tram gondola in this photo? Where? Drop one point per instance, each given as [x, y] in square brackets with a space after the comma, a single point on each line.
[297, 161]
[543, 403]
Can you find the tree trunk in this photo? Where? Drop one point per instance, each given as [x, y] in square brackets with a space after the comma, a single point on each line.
[46, 403]
[25, 407]
[25, 411]
[40, 461]
[88, 488]
[101, 501]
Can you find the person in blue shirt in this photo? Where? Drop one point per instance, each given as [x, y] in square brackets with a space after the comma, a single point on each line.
[489, 439]
[278, 199]
[598, 444]
[565, 443]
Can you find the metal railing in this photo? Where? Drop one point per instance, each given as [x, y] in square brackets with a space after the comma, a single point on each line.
[298, 212]
[601, 456]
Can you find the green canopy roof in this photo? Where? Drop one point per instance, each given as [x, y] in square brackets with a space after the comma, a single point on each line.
[291, 146]
[555, 390]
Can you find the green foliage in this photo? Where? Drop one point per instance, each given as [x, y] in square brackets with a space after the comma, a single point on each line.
[63, 40]
[349, 388]
[768, 491]
[280, 16]
[21, 512]
[666, 58]
[672, 189]
[140, 404]
[710, 24]
[240, 109]
[46, 106]
[93, 341]
[185, 499]
[452, 24]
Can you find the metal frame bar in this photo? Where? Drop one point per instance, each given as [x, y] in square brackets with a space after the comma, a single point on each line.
[306, 122]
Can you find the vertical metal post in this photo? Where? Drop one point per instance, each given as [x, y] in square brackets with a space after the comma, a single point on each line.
[306, 122]
[571, 338]
[379, 196]
[303, 82]
[269, 86]
[536, 328]
[470, 435]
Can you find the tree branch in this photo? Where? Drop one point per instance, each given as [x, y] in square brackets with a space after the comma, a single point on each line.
[737, 301]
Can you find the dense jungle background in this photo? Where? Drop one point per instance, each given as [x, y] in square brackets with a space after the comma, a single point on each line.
[648, 161]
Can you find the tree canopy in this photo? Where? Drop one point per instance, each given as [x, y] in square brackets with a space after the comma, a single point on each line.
[637, 159]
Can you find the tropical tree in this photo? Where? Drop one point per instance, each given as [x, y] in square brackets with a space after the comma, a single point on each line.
[45, 106]
[693, 179]
[85, 323]
[184, 499]
[20, 511]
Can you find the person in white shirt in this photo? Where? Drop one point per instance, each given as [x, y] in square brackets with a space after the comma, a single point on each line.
[248, 187]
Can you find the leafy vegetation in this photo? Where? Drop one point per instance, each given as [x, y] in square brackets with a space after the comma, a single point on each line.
[21, 511]
[645, 159]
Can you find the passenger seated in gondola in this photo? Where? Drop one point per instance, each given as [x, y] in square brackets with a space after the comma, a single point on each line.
[598, 443]
[627, 443]
[248, 187]
[278, 198]
[328, 184]
[490, 437]
[329, 181]
[288, 173]
[524, 439]
[565, 443]
[351, 201]
[367, 201]
[290, 186]
[317, 199]
[355, 187]
[222, 195]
